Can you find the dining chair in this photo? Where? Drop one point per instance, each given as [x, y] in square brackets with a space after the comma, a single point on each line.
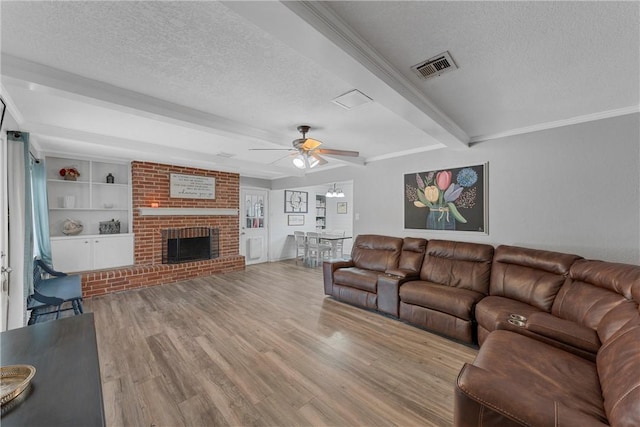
[339, 243]
[301, 246]
[316, 250]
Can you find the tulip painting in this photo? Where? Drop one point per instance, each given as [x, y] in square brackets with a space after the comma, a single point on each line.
[449, 199]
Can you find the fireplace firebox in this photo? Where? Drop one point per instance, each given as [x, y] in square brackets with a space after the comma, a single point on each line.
[190, 244]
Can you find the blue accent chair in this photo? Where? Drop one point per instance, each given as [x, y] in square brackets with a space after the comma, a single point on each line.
[52, 290]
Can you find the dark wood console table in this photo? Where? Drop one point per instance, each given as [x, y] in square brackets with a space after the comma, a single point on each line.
[66, 390]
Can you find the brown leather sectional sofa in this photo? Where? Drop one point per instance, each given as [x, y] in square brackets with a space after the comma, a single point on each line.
[559, 335]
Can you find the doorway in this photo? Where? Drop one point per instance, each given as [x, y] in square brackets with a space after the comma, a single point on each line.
[254, 225]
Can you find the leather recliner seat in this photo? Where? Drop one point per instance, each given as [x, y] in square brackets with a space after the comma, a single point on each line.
[454, 277]
[523, 281]
[356, 281]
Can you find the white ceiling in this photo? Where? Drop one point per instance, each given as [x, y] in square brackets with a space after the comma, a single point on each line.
[182, 82]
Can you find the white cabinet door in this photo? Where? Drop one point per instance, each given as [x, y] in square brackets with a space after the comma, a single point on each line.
[71, 255]
[112, 251]
[91, 252]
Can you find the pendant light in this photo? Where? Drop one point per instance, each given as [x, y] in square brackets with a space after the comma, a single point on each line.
[334, 192]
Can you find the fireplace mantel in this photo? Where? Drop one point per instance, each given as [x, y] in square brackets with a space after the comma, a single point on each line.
[187, 212]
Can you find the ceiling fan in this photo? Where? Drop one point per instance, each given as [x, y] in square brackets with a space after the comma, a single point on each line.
[306, 151]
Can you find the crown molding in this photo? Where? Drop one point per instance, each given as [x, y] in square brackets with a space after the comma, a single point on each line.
[12, 108]
[558, 123]
[405, 153]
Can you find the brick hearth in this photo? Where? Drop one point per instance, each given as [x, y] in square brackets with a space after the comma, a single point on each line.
[150, 183]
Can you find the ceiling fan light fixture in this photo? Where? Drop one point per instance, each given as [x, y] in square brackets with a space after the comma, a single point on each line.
[298, 161]
[313, 162]
[305, 161]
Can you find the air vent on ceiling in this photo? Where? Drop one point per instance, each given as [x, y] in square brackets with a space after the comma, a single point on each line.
[225, 155]
[352, 99]
[432, 67]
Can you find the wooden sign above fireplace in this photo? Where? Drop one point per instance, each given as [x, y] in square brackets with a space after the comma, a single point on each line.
[192, 187]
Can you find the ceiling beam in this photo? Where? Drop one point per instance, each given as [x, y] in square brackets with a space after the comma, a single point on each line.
[316, 32]
[72, 86]
[88, 143]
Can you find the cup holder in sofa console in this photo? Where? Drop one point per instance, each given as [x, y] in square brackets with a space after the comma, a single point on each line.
[517, 320]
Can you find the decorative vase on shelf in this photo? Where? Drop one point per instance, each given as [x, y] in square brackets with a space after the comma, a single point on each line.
[110, 179]
[69, 202]
[69, 173]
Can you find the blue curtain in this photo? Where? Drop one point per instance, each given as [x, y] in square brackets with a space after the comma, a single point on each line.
[23, 138]
[41, 211]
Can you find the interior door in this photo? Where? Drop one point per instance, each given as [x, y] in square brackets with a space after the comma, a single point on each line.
[4, 236]
[253, 225]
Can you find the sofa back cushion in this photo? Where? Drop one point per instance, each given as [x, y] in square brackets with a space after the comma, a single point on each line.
[412, 254]
[458, 264]
[593, 289]
[377, 253]
[618, 364]
[531, 276]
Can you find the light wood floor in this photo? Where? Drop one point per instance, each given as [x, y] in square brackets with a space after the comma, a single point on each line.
[266, 347]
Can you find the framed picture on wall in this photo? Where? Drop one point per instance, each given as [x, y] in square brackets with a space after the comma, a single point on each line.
[295, 201]
[295, 219]
[342, 207]
[448, 199]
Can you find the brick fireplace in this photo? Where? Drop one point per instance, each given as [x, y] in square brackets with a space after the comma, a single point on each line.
[150, 184]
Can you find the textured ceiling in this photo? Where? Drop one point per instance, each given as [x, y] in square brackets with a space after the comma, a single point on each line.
[197, 54]
[183, 81]
[520, 63]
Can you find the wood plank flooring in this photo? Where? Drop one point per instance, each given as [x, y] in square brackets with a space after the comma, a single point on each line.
[266, 347]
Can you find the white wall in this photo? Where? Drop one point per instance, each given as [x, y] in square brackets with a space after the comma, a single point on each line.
[571, 189]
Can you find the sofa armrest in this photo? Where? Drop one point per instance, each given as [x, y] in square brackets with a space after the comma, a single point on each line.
[328, 268]
[564, 331]
[486, 398]
[402, 272]
[389, 292]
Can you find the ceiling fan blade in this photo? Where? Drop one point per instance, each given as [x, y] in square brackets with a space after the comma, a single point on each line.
[320, 160]
[337, 152]
[310, 144]
[281, 158]
[272, 149]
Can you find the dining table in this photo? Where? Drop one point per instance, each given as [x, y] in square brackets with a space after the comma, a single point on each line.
[333, 239]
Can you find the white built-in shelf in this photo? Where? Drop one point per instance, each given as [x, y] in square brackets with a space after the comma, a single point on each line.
[187, 212]
[110, 185]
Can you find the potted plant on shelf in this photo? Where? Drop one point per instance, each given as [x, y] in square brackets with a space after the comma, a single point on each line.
[69, 173]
